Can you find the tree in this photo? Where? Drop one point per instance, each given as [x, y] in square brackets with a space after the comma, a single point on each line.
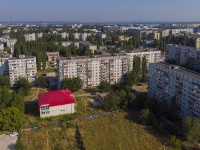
[191, 129]
[147, 117]
[11, 119]
[7, 49]
[73, 84]
[144, 69]
[42, 82]
[5, 81]
[24, 86]
[111, 102]
[19, 145]
[104, 86]
[18, 102]
[5, 97]
[175, 142]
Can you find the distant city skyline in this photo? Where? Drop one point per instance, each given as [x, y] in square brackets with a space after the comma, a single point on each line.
[100, 11]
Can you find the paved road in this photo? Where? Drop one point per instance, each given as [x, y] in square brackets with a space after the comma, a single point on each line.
[7, 142]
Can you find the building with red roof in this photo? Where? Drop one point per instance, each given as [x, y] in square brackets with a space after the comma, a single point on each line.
[55, 103]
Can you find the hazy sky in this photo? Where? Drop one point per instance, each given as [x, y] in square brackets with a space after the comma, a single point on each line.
[100, 10]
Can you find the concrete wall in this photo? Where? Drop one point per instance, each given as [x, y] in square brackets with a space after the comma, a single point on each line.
[57, 110]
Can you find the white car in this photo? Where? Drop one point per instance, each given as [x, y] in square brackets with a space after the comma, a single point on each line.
[14, 134]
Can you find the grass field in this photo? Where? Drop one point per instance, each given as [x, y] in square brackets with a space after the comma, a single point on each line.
[33, 94]
[50, 139]
[119, 133]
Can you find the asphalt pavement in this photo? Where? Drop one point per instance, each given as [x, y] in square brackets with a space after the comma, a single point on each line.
[7, 142]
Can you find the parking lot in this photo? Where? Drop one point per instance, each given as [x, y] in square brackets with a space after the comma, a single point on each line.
[7, 142]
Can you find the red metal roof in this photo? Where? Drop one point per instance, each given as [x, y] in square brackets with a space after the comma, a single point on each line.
[55, 98]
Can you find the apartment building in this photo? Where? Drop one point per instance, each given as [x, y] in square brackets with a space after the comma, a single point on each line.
[100, 35]
[4, 63]
[64, 35]
[165, 32]
[30, 37]
[92, 70]
[167, 81]
[9, 42]
[52, 56]
[154, 36]
[198, 43]
[183, 54]
[22, 67]
[186, 30]
[91, 46]
[82, 36]
[1, 46]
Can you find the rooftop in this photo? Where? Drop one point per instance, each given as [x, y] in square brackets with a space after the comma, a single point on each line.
[55, 98]
[180, 70]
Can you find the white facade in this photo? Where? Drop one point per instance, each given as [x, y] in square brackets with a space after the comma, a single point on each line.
[187, 30]
[64, 35]
[82, 36]
[30, 37]
[1, 46]
[101, 35]
[9, 42]
[166, 81]
[22, 67]
[92, 70]
[182, 54]
[47, 111]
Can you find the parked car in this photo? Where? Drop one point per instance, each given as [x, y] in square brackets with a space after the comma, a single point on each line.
[14, 134]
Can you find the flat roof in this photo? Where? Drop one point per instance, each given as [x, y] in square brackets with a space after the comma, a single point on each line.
[105, 56]
[179, 69]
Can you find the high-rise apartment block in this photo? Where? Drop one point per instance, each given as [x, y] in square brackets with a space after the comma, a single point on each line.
[92, 70]
[168, 81]
[22, 67]
[183, 55]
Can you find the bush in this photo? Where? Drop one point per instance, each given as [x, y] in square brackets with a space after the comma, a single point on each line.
[175, 142]
[19, 145]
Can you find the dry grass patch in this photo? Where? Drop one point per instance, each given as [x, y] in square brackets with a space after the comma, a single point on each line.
[48, 139]
[116, 132]
[142, 88]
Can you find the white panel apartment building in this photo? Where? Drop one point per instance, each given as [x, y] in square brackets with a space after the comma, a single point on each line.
[30, 37]
[187, 30]
[166, 81]
[22, 67]
[181, 54]
[92, 70]
[9, 42]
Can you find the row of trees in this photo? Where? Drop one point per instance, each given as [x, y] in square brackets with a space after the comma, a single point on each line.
[138, 73]
[183, 40]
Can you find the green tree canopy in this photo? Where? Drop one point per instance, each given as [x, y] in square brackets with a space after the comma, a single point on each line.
[18, 102]
[73, 84]
[111, 102]
[24, 86]
[104, 86]
[42, 82]
[11, 119]
[5, 81]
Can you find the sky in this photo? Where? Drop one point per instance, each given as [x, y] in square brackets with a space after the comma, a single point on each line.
[100, 10]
